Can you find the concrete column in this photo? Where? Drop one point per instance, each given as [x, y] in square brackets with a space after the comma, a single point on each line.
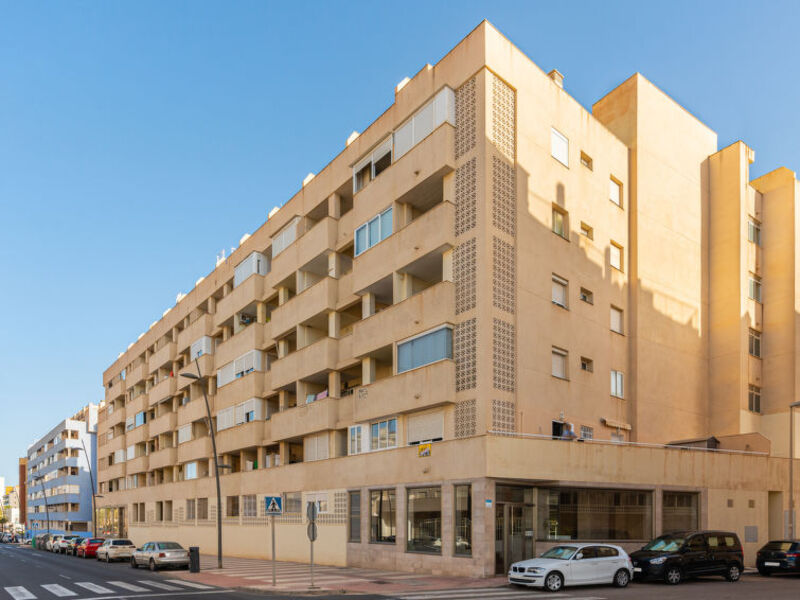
[334, 265]
[402, 215]
[283, 347]
[283, 400]
[367, 305]
[175, 333]
[302, 391]
[283, 295]
[261, 312]
[212, 386]
[147, 354]
[334, 324]
[400, 517]
[367, 370]
[335, 206]
[334, 384]
[212, 305]
[226, 289]
[226, 333]
[284, 452]
[448, 511]
[447, 265]
[402, 286]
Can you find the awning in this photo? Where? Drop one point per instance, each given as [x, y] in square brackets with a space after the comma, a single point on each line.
[613, 423]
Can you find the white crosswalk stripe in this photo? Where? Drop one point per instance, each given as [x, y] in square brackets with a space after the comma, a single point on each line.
[93, 587]
[159, 585]
[58, 590]
[127, 586]
[19, 593]
[191, 584]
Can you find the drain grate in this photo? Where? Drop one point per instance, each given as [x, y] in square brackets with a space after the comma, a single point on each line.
[379, 581]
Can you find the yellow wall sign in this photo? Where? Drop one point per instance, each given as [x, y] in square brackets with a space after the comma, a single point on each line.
[423, 450]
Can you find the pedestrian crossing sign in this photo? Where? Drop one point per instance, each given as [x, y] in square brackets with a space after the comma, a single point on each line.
[274, 505]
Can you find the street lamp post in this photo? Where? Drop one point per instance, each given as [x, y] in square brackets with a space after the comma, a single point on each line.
[91, 481]
[792, 406]
[198, 377]
[40, 479]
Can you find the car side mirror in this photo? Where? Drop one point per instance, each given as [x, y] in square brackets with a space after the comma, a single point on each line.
[579, 556]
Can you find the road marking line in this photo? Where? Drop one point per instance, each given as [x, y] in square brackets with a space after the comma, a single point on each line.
[191, 584]
[59, 590]
[127, 586]
[158, 584]
[20, 593]
[93, 587]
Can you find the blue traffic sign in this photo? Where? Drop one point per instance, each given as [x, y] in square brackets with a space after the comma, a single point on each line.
[274, 505]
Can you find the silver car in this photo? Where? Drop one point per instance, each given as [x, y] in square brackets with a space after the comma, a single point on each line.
[156, 555]
[115, 550]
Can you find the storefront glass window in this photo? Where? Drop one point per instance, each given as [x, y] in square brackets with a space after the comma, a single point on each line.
[425, 520]
[463, 519]
[382, 516]
[679, 511]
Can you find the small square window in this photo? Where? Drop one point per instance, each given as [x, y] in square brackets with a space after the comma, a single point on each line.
[587, 296]
[587, 364]
[560, 222]
[587, 433]
[559, 368]
[730, 502]
[587, 231]
[751, 503]
[560, 287]
[586, 160]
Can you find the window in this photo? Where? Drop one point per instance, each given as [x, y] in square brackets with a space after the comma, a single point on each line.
[754, 232]
[140, 419]
[618, 437]
[587, 296]
[383, 434]
[131, 453]
[425, 349]
[616, 320]
[246, 412]
[755, 343]
[559, 363]
[560, 222]
[249, 506]
[755, 287]
[372, 165]
[205, 345]
[594, 514]
[354, 517]
[462, 523]
[424, 512]
[293, 502]
[255, 264]
[586, 161]
[587, 231]
[184, 433]
[587, 433]
[426, 427]
[615, 256]
[615, 192]
[202, 509]
[587, 364]
[315, 447]
[754, 398]
[247, 363]
[382, 517]
[373, 231]
[560, 291]
[285, 237]
[559, 147]
[440, 109]
[318, 498]
[191, 509]
[232, 506]
[225, 418]
[190, 470]
[680, 511]
[616, 384]
[354, 445]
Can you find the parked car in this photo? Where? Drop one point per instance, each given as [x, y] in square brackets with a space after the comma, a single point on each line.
[779, 556]
[52, 542]
[65, 543]
[6, 538]
[676, 556]
[574, 564]
[41, 540]
[88, 547]
[157, 555]
[111, 550]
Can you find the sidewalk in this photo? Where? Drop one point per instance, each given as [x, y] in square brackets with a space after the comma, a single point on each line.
[256, 574]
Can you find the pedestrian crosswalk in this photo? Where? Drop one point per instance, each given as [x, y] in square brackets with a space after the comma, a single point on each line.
[108, 589]
[491, 593]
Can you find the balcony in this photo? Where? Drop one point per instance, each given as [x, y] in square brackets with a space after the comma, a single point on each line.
[320, 239]
[344, 234]
[430, 232]
[250, 290]
[112, 472]
[421, 312]
[251, 385]
[138, 465]
[137, 434]
[136, 405]
[115, 418]
[164, 389]
[115, 391]
[198, 449]
[254, 336]
[240, 437]
[136, 375]
[206, 363]
[320, 297]
[305, 419]
[194, 411]
[167, 457]
[197, 329]
[163, 357]
[425, 387]
[115, 443]
[163, 424]
[321, 356]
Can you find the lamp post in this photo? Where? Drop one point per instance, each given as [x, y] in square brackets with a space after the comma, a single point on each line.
[91, 481]
[216, 460]
[792, 406]
[40, 479]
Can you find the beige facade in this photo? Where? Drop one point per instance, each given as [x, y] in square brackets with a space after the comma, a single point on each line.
[485, 267]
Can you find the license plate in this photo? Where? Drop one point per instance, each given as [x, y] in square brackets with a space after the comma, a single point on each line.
[637, 569]
[772, 564]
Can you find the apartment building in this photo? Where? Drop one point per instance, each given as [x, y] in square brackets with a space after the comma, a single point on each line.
[415, 339]
[59, 482]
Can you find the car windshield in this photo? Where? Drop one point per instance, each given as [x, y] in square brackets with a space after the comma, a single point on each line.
[122, 543]
[560, 552]
[778, 546]
[665, 543]
[169, 546]
[95, 541]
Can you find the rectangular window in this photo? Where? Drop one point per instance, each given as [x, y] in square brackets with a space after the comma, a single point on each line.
[202, 509]
[293, 502]
[587, 231]
[427, 427]
[754, 398]
[131, 453]
[355, 440]
[140, 419]
[560, 222]
[755, 287]
[587, 364]
[354, 517]
[559, 363]
[587, 433]
[616, 320]
[594, 514]
[205, 345]
[225, 418]
[249, 506]
[184, 433]
[383, 434]
[755, 343]
[680, 511]
[382, 517]
[191, 509]
[462, 523]
[559, 147]
[425, 349]
[377, 229]
[424, 511]
[232, 506]
[617, 384]
[615, 256]
[586, 160]
[318, 498]
[439, 110]
[255, 264]
[587, 296]
[754, 232]
[190, 470]
[247, 363]
[315, 447]
[285, 237]
[615, 192]
[559, 291]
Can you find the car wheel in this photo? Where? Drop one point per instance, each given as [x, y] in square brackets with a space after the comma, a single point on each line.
[153, 565]
[622, 578]
[108, 560]
[733, 573]
[764, 572]
[673, 575]
[554, 582]
[133, 563]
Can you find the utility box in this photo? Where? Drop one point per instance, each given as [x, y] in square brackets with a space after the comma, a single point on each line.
[194, 559]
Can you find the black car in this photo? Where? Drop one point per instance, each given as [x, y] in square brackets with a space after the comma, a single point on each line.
[673, 557]
[779, 556]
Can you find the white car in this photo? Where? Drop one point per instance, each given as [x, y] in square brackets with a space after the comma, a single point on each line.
[52, 543]
[574, 564]
[112, 550]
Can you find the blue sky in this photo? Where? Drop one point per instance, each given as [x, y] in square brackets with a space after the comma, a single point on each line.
[138, 139]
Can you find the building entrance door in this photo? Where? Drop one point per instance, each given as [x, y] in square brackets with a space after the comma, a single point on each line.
[514, 538]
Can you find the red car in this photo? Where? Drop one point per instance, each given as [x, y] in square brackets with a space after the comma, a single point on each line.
[88, 547]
